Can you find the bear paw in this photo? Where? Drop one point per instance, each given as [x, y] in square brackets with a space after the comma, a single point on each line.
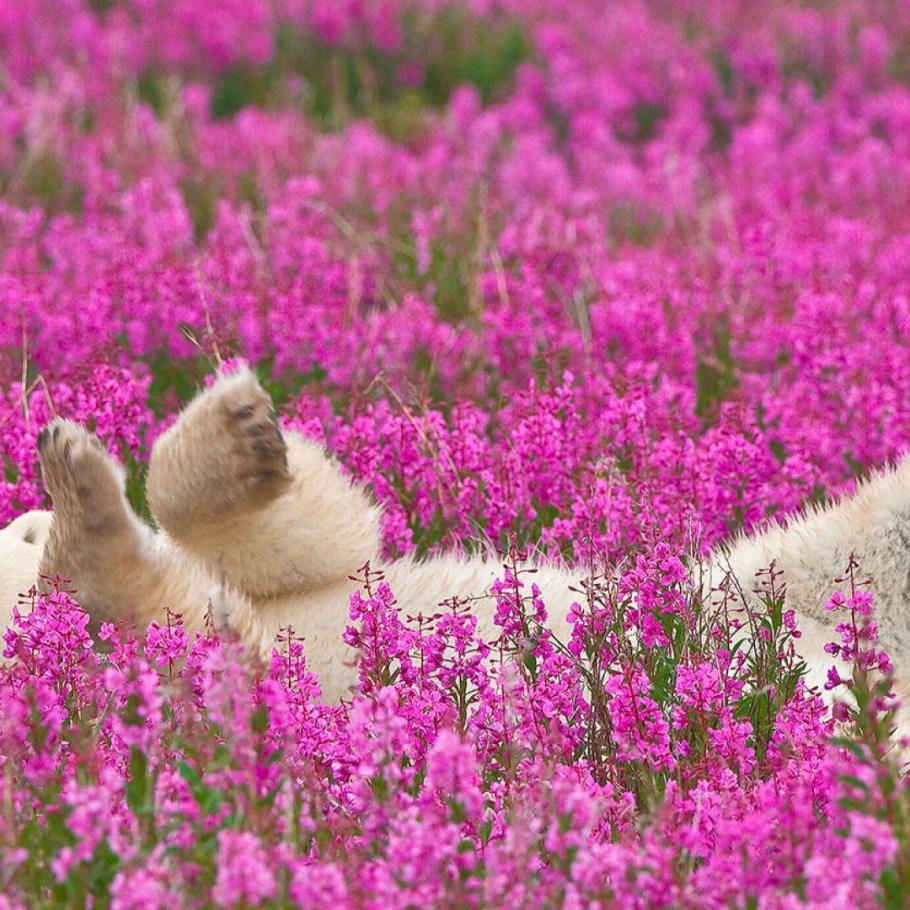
[81, 477]
[257, 447]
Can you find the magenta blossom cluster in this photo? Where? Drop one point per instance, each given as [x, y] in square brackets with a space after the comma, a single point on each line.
[174, 772]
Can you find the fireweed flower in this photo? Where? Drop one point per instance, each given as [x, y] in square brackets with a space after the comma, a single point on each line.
[533, 794]
[640, 730]
[245, 876]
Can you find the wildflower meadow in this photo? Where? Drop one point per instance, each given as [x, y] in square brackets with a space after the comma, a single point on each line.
[606, 283]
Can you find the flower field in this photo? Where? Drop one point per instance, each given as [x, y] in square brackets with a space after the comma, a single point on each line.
[608, 282]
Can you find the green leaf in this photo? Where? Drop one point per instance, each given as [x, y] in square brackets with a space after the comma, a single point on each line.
[137, 786]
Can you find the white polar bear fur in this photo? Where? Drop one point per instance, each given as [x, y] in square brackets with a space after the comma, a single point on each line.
[265, 529]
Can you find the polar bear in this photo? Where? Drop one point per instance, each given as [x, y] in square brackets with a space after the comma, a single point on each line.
[256, 524]
[263, 528]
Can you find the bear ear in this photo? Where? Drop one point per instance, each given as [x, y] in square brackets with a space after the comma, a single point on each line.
[21, 548]
[32, 527]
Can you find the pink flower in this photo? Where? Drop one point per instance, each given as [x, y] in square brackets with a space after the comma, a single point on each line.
[244, 873]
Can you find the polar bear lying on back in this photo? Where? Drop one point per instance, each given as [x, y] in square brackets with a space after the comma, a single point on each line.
[259, 524]
[264, 527]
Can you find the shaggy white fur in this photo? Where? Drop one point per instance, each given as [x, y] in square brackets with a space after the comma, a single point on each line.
[264, 527]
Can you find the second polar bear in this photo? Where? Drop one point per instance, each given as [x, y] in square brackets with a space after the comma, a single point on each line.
[263, 526]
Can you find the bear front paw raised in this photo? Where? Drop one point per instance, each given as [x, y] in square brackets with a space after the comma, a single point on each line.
[78, 473]
[258, 448]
